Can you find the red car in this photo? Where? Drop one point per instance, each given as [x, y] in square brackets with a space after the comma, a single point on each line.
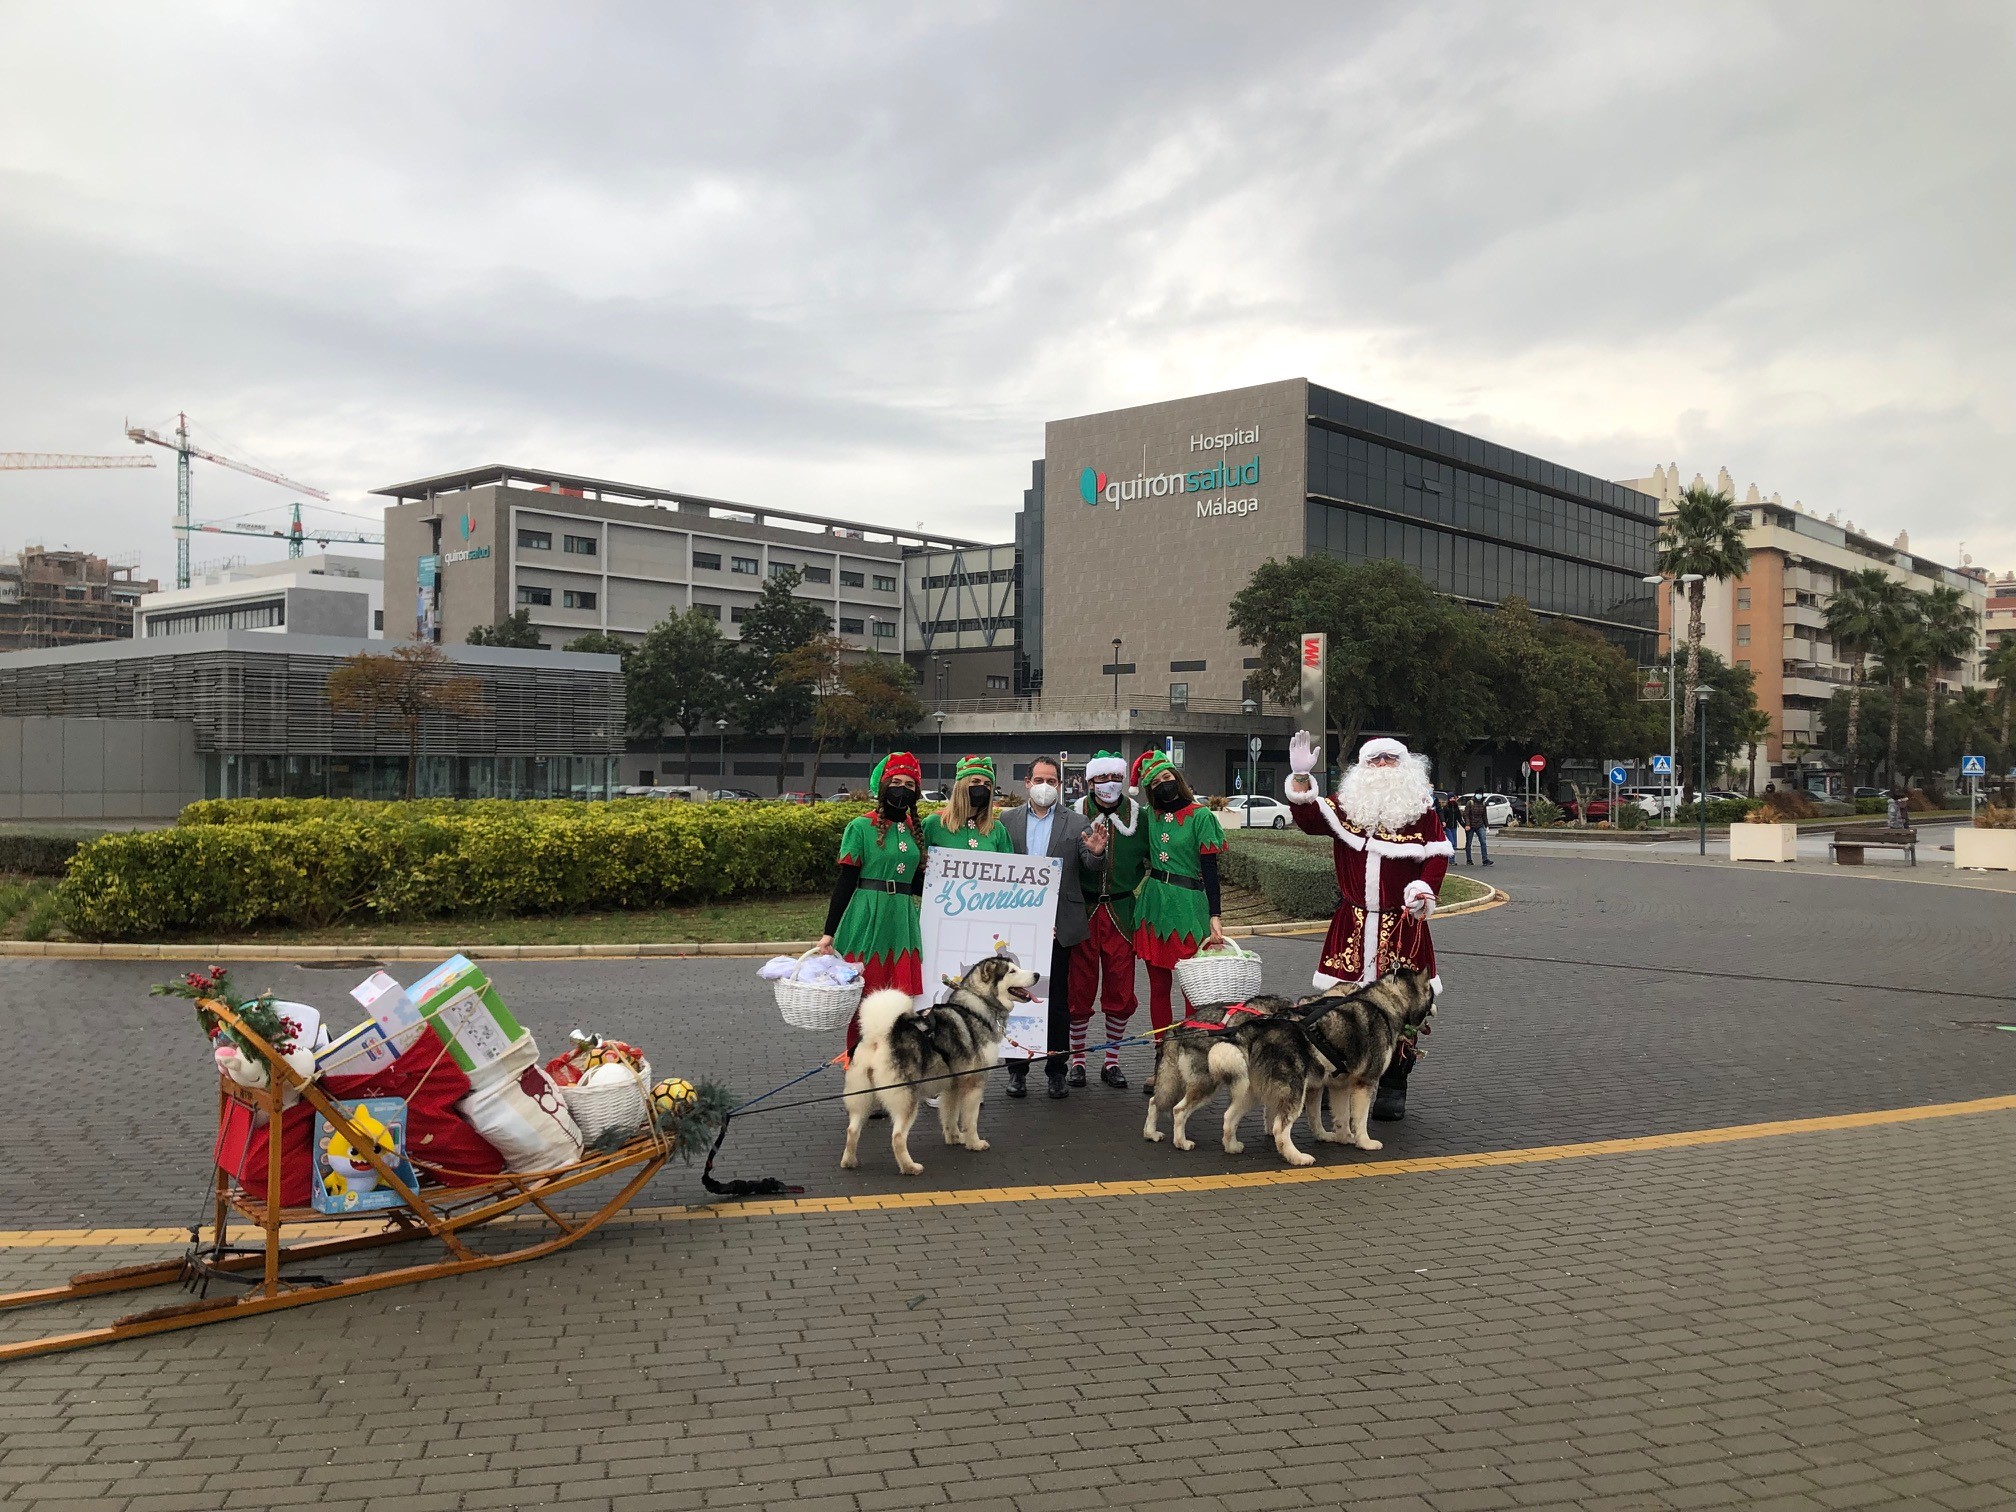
[1599, 809]
[797, 797]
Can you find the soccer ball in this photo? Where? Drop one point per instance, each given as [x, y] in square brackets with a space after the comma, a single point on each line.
[672, 1098]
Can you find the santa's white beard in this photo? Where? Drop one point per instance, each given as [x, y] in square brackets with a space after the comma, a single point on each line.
[1387, 798]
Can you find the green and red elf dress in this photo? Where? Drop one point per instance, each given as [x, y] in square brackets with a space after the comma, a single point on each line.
[1179, 891]
[965, 833]
[873, 915]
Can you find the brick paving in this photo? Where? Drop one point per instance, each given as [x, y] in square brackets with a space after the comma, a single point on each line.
[1817, 1320]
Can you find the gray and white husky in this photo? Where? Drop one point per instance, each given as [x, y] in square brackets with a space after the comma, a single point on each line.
[949, 1048]
[1196, 1062]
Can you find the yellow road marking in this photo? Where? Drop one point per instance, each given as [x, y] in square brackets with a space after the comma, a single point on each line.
[1156, 1186]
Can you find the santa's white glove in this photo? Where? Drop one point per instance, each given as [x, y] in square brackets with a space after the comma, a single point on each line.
[1301, 762]
[1418, 900]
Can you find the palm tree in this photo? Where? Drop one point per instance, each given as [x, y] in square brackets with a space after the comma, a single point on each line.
[1900, 646]
[2001, 669]
[1973, 718]
[1856, 615]
[1948, 631]
[1752, 729]
[1701, 536]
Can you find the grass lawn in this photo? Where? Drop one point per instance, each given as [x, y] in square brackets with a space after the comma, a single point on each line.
[27, 907]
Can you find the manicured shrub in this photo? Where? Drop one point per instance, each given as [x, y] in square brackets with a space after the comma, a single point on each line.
[225, 873]
[1877, 806]
[1298, 880]
[42, 853]
[1720, 811]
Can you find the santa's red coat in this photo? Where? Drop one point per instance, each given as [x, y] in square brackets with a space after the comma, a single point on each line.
[1372, 931]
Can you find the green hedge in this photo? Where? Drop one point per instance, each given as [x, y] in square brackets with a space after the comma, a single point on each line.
[291, 810]
[1872, 805]
[39, 853]
[395, 861]
[1297, 879]
[1720, 811]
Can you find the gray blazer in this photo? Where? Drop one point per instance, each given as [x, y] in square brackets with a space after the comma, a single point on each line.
[1068, 829]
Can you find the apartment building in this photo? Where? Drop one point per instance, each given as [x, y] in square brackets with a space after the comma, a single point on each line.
[1773, 619]
[67, 598]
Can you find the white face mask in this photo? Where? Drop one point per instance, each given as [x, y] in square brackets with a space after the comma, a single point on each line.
[1108, 792]
[1043, 794]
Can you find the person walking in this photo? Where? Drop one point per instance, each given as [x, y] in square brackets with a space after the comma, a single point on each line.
[1177, 908]
[970, 821]
[1043, 827]
[872, 918]
[1450, 812]
[1102, 968]
[1477, 827]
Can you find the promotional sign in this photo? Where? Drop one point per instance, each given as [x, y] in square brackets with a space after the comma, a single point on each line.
[981, 903]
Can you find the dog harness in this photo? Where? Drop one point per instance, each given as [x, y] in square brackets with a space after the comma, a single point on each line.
[1217, 1028]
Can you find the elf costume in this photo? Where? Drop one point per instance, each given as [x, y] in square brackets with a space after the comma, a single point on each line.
[873, 915]
[968, 836]
[1103, 967]
[1179, 895]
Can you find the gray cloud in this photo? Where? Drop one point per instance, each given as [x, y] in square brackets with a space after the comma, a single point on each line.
[852, 257]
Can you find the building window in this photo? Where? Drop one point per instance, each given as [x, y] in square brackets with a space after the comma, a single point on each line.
[535, 540]
[996, 684]
[1125, 669]
[269, 614]
[1742, 635]
[1251, 663]
[747, 566]
[1186, 666]
[707, 561]
[708, 611]
[377, 619]
[1742, 598]
[535, 595]
[1179, 695]
[851, 627]
[885, 629]
[818, 574]
[851, 579]
[1743, 662]
[884, 584]
[579, 545]
[778, 569]
[573, 598]
[738, 614]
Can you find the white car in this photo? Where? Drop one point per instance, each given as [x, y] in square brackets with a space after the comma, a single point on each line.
[1255, 811]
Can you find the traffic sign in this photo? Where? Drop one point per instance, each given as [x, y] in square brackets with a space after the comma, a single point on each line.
[1538, 763]
[1617, 776]
[1253, 746]
[1238, 782]
[1662, 766]
[1973, 766]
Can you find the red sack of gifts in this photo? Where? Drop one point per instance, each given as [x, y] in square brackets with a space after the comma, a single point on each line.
[440, 1142]
[297, 1164]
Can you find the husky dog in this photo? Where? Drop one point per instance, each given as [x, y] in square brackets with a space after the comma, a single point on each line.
[1195, 1063]
[1338, 1042]
[949, 1047]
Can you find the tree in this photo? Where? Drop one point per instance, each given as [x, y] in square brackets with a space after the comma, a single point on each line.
[878, 702]
[778, 623]
[1974, 721]
[1901, 650]
[402, 688]
[1700, 536]
[2001, 669]
[1948, 629]
[680, 675]
[815, 668]
[1584, 699]
[602, 643]
[1857, 615]
[1753, 728]
[515, 630]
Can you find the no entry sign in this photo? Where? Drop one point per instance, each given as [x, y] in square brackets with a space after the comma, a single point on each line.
[1538, 763]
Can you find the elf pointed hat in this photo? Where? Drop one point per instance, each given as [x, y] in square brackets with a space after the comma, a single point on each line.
[974, 766]
[895, 764]
[1134, 775]
[1153, 765]
[1105, 766]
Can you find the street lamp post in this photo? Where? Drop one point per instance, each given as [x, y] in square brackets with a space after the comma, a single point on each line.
[938, 777]
[721, 729]
[1701, 696]
[1116, 674]
[1672, 677]
[1252, 757]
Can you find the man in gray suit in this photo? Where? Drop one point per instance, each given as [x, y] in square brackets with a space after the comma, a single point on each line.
[1044, 827]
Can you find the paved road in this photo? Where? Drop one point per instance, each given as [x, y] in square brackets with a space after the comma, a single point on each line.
[1820, 1319]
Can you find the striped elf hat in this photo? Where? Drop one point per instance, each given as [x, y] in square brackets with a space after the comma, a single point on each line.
[1153, 765]
[973, 766]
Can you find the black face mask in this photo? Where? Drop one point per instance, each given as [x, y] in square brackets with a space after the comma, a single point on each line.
[899, 800]
[980, 797]
[1165, 795]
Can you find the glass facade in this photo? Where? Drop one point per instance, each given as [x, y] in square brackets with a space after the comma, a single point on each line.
[231, 775]
[1480, 521]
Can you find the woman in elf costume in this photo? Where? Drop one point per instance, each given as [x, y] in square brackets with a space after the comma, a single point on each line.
[873, 916]
[1176, 910]
[968, 821]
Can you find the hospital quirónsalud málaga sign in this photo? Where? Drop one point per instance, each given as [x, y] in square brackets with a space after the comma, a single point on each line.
[1221, 478]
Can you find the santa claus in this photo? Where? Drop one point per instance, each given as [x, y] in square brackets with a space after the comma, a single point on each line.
[1391, 855]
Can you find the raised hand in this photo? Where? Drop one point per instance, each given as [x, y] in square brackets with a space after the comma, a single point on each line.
[1095, 842]
[1301, 754]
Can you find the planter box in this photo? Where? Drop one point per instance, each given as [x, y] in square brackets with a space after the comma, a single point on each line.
[1991, 848]
[1763, 842]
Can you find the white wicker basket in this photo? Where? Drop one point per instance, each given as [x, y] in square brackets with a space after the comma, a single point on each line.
[1230, 975]
[816, 1005]
[624, 1106]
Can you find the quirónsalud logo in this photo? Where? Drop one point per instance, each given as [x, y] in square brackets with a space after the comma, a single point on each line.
[1091, 485]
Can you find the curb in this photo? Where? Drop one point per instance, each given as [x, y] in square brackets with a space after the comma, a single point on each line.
[371, 954]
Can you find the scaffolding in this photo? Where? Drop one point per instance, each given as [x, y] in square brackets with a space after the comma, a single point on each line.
[67, 598]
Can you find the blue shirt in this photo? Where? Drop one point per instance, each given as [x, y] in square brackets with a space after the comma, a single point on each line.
[1039, 831]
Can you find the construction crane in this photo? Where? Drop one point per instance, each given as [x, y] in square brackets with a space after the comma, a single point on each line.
[17, 461]
[294, 535]
[183, 452]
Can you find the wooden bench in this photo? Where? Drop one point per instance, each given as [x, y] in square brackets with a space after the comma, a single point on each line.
[1848, 844]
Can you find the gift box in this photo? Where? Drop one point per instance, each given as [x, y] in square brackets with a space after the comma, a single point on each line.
[465, 1010]
[345, 1182]
[389, 1006]
[360, 1052]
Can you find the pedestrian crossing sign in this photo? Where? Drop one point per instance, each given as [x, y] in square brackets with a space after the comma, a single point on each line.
[1662, 766]
[1973, 766]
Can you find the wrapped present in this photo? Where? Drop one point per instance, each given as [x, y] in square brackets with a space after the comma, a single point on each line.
[465, 1010]
[389, 1006]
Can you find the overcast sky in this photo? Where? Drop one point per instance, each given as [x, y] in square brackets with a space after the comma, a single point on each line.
[849, 258]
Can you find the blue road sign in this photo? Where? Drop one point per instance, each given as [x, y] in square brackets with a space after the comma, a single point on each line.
[1617, 776]
[1973, 766]
[1663, 765]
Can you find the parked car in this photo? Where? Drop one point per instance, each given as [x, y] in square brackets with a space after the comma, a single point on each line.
[934, 795]
[734, 795]
[1871, 792]
[797, 797]
[1497, 808]
[1723, 795]
[1255, 811]
[1599, 809]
